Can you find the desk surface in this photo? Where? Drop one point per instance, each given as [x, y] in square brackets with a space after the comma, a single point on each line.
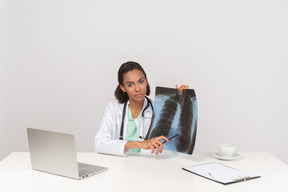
[145, 172]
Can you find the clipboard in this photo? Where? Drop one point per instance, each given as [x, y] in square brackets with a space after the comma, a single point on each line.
[220, 173]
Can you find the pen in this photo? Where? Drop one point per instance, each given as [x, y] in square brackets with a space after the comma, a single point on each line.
[211, 175]
[242, 179]
[170, 138]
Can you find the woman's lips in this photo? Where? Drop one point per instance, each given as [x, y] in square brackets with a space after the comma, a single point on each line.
[139, 95]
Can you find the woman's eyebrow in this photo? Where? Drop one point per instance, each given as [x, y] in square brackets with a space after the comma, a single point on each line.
[141, 79]
[133, 81]
[129, 82]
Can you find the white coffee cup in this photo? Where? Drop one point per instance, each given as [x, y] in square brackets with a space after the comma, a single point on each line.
[226, 150]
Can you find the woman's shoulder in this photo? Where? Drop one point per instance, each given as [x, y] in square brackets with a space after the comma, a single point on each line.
[115, 105]
[151, 100]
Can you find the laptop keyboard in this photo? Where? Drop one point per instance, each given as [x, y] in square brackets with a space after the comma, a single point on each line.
[83, 172]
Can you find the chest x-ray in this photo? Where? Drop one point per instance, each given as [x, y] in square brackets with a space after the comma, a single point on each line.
[175, 114]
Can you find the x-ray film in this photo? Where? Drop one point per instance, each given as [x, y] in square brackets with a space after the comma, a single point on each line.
[175, 114]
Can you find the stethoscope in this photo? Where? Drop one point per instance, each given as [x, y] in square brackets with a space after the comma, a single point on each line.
[124, 113]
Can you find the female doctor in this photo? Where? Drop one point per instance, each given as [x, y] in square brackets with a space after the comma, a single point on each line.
[125, 123]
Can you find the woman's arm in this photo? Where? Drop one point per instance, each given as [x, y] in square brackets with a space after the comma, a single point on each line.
[106, 139]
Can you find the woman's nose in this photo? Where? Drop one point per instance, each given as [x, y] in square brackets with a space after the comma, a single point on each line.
[137, 87]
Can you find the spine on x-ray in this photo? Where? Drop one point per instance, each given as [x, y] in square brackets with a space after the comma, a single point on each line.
[165, 121]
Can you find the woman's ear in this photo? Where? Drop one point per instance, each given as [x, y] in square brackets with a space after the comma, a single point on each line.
[122, 88]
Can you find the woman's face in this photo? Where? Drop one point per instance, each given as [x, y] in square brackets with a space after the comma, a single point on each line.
[135, 85]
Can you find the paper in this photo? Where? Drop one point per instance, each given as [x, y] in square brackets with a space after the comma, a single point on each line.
[175, 114]
[220, 173]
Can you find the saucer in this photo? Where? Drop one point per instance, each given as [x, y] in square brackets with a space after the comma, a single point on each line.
[234, 156]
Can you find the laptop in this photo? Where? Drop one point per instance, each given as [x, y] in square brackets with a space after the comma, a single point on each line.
[55, 153]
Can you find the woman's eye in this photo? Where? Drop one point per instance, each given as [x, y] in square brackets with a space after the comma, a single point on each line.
[141, 81]
[129, 85]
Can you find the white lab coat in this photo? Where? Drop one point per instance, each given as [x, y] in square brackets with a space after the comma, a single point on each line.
[107, 139]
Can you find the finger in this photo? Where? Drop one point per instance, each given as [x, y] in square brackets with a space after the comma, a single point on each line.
[157, 148]
[180, 89]
[161, 147]
[186, 87]
[162, 137]
[153, 148]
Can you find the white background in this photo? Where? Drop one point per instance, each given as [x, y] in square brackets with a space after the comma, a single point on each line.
[59, 61]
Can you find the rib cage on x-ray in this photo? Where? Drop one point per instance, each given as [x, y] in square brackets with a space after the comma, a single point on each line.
[175, 114]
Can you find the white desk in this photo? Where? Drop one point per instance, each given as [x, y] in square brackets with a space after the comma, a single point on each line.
[145, 173]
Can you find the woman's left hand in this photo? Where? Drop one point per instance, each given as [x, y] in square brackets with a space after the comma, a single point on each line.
[181, 88]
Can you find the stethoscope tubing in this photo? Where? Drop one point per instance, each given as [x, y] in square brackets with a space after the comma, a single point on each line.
[124, 113]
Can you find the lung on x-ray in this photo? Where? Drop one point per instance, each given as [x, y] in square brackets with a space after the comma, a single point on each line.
[175, 114]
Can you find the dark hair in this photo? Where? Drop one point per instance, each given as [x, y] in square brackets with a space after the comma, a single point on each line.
[121, 96]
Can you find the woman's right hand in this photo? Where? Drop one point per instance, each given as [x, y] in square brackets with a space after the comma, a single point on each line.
[154, 144]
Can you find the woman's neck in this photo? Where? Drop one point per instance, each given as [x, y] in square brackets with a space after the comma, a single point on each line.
[135, 108]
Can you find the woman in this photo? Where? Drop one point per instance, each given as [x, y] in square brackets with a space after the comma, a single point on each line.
[126, 122]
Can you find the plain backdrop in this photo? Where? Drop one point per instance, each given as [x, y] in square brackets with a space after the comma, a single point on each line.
[59, 61]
